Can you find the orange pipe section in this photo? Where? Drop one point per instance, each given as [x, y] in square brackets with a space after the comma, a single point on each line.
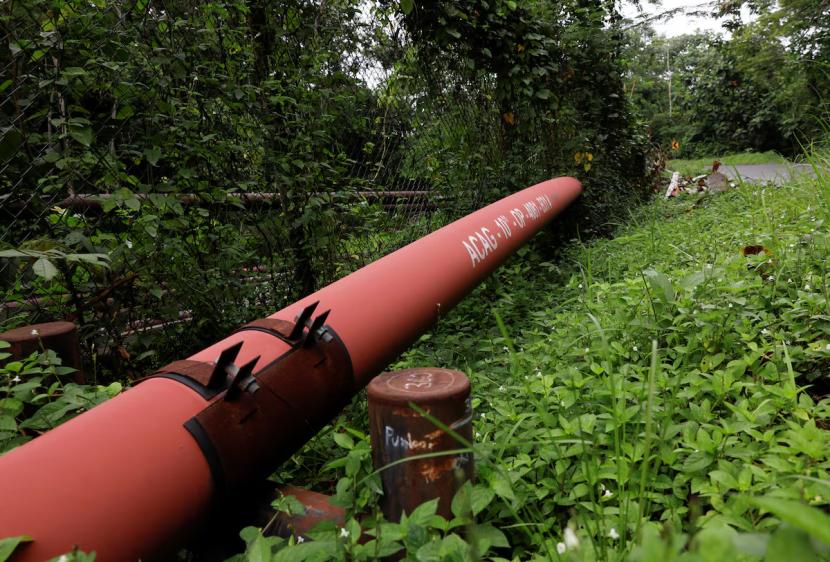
[128, 481]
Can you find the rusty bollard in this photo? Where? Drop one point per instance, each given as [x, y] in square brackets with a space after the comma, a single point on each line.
[399, 432]
[318, 508]
[60, 337]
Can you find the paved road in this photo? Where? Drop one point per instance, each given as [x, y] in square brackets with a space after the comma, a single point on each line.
[762, 173]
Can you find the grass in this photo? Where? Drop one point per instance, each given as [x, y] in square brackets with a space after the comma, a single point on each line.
[704, 165]
[659, 394]
[656, 396]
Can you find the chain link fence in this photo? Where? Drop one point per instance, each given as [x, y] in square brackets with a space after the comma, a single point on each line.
[171, 170]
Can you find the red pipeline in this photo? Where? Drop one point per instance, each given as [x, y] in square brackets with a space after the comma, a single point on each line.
[135, 476]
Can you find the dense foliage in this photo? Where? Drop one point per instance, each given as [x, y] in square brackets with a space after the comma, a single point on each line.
[657, 396]
[242, 149]
[169, 170]
[660, 394]
[762, 88]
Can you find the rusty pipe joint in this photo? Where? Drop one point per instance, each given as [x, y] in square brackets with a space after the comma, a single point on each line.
[255, 421]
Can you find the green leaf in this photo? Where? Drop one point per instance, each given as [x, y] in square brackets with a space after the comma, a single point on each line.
[754, 544]
[81, 133]
[460, 505]
[44, 268]
[501, 486]
[94, 259]
[788, 544]
[660, 284]
[7, 423]
[344, 440]
[125, 112]
[152, 154]
[73, 71]
[697, 461]
[10, 141]
[481, 498]
[13, 254]
[407, 6]
[487, 537]
[691, 281]
[806, 518]
[8, 546]
[132, 204]
[422, 514]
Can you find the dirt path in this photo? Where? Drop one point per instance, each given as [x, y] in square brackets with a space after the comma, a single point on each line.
[759, 173]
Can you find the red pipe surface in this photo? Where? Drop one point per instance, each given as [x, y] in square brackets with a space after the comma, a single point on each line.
[128, 481]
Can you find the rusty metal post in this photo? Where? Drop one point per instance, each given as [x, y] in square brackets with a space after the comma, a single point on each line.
[60, 337]
[318, 508]
[399, 432]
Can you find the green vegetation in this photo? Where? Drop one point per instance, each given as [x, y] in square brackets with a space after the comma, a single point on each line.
[704, 165]
[175, 112]
[660, 394]
[762, 88]
[656, 396]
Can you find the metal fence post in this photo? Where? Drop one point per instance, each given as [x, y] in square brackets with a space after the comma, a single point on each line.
[399, 432]
[60, 337]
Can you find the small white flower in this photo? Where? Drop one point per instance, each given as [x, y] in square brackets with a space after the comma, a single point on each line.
[771, 277]
[482, 415]
[128, 243]
[300, 539]
[63, 558]
[580, 286]
[635, 348]
[502, 389]
[16, 378]
[34, 332]
[607, 494]
[344, 533]
[613, 534]
[570, 538]
[730, 305]
[765, 331]
[827, 347]
[587, 349]
[538, 375]
[561, 548]
[789, 280]
[478, 435]
[505, 349]
[807, 287]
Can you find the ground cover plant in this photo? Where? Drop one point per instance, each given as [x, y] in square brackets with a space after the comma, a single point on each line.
[656, 396]
[660, 395]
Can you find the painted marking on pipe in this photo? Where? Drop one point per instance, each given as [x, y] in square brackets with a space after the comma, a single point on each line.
[405, 441]
[481, 243]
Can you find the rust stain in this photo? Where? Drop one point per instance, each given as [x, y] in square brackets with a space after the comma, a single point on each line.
[433, 435]
[407, 412]
[433, 469]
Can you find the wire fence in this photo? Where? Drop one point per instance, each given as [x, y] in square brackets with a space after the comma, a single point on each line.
[168, 172]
